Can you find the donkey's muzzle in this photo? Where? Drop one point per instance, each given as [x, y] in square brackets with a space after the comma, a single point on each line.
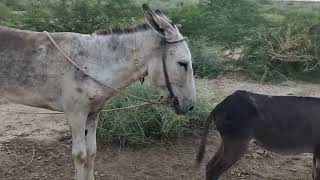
[183, 106]
[180, 107]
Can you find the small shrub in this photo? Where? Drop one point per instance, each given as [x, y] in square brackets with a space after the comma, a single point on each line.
[291, 52]
[145, 124]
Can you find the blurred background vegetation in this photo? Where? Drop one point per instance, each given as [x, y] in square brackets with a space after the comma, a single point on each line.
[265, 40]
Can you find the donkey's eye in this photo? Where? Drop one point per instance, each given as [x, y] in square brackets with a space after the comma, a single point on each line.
[184, 64]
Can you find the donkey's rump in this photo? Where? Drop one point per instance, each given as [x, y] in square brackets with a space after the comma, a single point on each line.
[26, 58]
[31, 70]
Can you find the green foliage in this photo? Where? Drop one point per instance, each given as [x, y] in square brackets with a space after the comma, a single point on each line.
[253, 25]
[148, 123]
[227, 23]
[206, 61]
[16, 5]
[287, 47]
[4, 12]
[84, 16]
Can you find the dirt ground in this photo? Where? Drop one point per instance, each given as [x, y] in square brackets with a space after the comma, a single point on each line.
[38, 146]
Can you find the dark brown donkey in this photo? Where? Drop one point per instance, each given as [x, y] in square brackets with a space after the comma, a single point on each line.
[286, 124]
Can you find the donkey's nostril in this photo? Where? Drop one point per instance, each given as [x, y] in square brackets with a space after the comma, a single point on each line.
[175, 101]
[191, 108]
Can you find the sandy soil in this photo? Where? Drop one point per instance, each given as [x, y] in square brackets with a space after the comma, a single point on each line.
[38, 146]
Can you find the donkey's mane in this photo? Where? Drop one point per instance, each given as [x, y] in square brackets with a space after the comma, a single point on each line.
[136, 27]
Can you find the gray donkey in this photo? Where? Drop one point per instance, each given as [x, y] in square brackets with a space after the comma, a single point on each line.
[34, 72]
[284, 124]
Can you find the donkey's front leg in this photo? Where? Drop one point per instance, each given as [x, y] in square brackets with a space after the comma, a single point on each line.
[77, 122]
[91, 145]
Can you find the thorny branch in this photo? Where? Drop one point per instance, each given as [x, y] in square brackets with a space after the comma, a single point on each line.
[287, 48]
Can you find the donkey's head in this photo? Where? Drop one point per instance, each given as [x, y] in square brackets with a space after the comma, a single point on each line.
[171, 70]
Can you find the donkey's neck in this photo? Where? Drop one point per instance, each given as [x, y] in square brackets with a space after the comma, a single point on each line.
[118, 59]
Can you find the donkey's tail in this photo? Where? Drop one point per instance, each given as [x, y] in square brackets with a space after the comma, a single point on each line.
[203, 142]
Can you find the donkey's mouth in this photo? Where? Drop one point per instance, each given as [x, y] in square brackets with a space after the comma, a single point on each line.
[168, 100]
[171, 102]
[162, 99]
[165, 100]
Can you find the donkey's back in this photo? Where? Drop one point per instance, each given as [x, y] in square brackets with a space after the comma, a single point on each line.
[32, 71]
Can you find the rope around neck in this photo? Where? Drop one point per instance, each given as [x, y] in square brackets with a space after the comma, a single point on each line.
[81, 69]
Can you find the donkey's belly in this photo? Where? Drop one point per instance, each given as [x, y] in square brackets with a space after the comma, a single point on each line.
[286, 144]
[294, 149]
[32, 98]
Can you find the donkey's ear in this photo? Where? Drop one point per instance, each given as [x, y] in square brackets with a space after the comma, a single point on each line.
[157, 22]
[159, 13]
[150, 18]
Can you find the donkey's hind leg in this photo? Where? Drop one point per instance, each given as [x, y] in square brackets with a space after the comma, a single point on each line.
[213, 161]
[316, 165]
[230, 151]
